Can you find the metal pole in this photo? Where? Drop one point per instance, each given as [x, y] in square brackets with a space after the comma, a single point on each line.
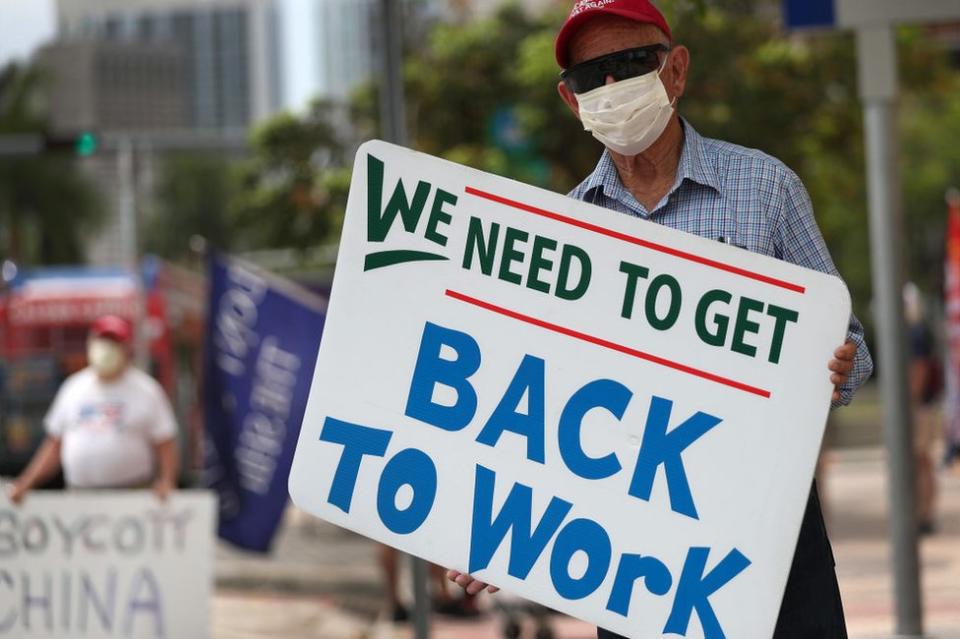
[878, 85]
[126, 203]
[394, 129]
[392, 111]
[421, 599]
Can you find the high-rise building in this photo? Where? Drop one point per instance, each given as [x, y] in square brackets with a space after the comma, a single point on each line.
[344, 45]
[229, 49]
[114, 86]
[327, 48]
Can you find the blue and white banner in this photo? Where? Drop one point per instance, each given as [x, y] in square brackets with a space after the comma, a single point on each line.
[262, 338]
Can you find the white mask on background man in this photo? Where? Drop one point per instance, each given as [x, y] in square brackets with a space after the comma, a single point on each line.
[627, 116]
[106, 356]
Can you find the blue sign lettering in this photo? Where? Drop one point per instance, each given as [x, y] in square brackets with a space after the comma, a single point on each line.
[528, 381]
[660, 448]
[357, 441]
[432, 370]
[408, 467]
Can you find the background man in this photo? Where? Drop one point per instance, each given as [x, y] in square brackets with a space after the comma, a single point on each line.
[623, 76]
[110, 425]
[925, 379]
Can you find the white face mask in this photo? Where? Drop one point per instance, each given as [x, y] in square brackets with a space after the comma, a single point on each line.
[106, 356]
[627, 116]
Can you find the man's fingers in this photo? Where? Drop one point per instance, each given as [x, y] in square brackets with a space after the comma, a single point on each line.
[847, 352]
[162, 489]
[836, 396]
[15, 494]
[469, 584]
[838, 380]
[478, 586]
[840, 365]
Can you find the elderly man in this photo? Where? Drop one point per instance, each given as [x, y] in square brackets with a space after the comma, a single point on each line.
[110, 426]
[622, 77]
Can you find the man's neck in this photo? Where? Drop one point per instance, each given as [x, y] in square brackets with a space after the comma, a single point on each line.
[649, 175]
[113, 377]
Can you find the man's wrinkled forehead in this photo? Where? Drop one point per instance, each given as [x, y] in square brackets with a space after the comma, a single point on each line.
[607, 34]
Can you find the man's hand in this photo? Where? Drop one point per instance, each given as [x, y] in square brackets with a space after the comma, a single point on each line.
[167, 464]
[162, 488]
[16, 492]
[468, 583]
[841, 365]
[44, 465]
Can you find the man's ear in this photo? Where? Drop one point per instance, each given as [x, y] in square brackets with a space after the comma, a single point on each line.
[569, 98]
[675, 77]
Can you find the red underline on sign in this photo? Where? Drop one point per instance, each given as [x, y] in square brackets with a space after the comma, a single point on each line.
[653, 246]
[569, 332]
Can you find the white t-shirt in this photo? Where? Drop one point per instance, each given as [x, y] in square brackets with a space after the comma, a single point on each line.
[108, 429]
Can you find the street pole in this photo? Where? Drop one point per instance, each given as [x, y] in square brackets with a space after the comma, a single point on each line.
[126, 198]
[127, 205]
[394, 129]
[877, 58]
[392, 109]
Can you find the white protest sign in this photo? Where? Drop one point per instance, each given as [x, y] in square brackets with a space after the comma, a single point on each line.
[105, 564]
[612, 418]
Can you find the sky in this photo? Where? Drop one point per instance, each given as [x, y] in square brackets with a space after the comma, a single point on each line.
[24, 25]
[300, 83]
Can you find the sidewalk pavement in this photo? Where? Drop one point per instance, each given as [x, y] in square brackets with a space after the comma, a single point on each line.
[324, 582]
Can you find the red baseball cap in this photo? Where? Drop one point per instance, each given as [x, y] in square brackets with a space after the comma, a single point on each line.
[641, 11]
[113, 327]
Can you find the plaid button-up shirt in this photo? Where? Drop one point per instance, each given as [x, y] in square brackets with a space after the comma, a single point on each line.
[737, 195]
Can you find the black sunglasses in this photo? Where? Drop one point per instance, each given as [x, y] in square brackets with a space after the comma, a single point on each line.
[619, 65]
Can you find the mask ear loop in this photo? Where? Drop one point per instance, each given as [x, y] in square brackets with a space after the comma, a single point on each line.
[666, 57]
[673, 102]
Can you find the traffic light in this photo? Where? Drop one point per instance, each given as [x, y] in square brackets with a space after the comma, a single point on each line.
[86, 144]
[82, 144]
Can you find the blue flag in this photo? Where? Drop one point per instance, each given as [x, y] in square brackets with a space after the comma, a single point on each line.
[263, 333]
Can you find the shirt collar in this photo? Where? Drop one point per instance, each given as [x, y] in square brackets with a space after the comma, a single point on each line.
[693, 166]
[693, 162]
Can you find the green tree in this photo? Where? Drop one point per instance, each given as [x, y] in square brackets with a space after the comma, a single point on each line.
[293, 190]
[47, 206]
[194, 197]
[930, 157]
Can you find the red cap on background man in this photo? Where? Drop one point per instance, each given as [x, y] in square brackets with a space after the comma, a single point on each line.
[112, 327]
[641, 11]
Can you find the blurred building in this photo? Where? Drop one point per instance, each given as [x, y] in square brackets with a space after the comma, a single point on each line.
[327, 48]
[229, 49]
[343, 46]
[114, 85]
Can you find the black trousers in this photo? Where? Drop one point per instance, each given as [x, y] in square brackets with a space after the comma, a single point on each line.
[811, 607]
